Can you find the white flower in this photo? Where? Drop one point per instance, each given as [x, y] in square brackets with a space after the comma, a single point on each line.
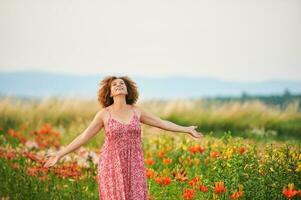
[94, 157]
[82, 162]
[31, 144]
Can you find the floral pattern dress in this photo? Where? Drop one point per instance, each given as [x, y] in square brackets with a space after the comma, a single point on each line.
[121, 171]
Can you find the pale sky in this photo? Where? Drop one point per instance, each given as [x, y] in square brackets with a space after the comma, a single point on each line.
[243, 40]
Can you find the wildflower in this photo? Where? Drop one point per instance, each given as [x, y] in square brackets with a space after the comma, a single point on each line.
[298, 167]
[167, 161]
[149, 161]
[163, 180]
[167, 181]
[203, 188]
[46, 137]
[215, 154]
[196, 149]
[184, 147]
[228, 153]
[159, 180]
[180, 175]
[67, 170]
[193, 181]
[149, 173]
[46, 129]
[17, 135]
[241, 150]
[189, 160]
[160, 154]
[238, 194]
[219, 187]
[188, 193]
[289, 192]
[32, 156]
[37, 171]
[8, 155]
[31, 144]
[193, 149]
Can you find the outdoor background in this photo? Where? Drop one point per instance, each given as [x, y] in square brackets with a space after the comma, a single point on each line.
[232, 68]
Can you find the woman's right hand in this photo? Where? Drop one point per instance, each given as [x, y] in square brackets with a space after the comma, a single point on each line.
[52, 159]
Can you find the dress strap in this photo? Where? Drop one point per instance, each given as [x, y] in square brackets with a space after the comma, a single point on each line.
[135, 113]
[108, 111]
[133, 110]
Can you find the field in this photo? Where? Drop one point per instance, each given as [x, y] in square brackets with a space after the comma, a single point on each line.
[251, 150]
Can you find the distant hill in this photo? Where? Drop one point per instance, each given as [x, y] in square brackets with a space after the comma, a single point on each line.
[40, 84]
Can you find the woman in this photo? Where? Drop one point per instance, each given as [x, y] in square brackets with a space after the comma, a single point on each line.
[121, 171]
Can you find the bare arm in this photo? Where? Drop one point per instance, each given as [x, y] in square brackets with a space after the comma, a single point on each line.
[153, 120]
[94, 127]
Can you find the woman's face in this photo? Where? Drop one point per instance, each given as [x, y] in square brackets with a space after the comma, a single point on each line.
[118, 87]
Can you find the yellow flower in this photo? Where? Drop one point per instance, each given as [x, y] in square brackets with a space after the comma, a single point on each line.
[299, 167]
[228, 153]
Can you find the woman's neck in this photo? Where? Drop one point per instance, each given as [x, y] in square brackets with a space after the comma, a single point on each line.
[119, 103]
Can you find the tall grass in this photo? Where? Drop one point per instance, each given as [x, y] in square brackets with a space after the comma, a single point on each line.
[71, 116]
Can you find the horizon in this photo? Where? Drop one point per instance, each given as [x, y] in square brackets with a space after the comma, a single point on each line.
[146, 76]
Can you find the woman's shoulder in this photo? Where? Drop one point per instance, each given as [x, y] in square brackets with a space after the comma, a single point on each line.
[103, 112]
[137, 109]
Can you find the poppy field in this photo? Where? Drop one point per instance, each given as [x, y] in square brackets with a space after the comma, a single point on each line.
[220, 166]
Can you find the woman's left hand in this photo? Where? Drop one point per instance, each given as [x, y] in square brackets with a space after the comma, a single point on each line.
[194, 133]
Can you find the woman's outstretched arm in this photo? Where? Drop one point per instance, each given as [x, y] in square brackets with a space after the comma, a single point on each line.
[153, 120]
[94, 127]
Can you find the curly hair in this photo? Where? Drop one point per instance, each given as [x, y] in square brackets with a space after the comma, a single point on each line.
[104, 90]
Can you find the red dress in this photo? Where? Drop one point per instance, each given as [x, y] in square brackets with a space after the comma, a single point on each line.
[121, 171]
